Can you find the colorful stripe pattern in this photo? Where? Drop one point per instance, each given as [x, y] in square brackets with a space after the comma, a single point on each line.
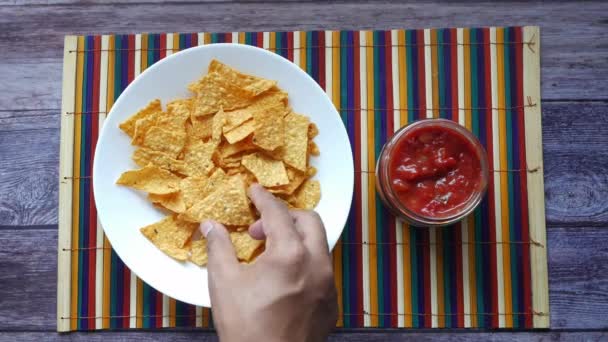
[388, 274]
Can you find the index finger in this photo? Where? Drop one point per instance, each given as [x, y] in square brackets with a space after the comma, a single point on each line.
[276, 220]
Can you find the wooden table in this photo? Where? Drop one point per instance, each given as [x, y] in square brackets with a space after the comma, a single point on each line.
[575, 136]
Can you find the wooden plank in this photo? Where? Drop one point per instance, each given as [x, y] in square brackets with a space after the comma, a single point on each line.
[536, 189]
[29, 171]
[113, 2]
[575, 136]
[66, 157]
[361, 336]
[575, 47]
[578, 265]
[31, 84]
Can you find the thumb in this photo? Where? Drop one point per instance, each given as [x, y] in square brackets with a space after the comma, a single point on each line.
[221, 254]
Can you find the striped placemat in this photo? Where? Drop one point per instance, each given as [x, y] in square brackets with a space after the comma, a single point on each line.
[488, 271]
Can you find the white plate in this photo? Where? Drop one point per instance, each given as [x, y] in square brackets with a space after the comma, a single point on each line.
[122, 211]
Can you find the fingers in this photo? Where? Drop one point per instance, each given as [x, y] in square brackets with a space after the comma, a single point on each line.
[311, 228]
[276, 220]
[221, 254]
[256, 230]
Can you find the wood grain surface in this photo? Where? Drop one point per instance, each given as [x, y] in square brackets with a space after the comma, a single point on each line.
[574, 74]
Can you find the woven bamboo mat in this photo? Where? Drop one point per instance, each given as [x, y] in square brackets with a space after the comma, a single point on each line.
[488, 271]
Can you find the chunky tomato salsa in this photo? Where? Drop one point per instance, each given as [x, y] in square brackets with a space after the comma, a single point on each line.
[434, 171]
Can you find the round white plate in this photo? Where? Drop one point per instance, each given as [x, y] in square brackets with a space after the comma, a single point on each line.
[122, 211]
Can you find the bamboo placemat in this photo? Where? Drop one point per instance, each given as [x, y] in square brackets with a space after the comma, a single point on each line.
[490, 270]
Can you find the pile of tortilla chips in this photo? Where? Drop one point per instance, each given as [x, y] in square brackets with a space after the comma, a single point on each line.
[198, 157]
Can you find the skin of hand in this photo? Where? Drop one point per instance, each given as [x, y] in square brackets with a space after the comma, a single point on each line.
[288, 292]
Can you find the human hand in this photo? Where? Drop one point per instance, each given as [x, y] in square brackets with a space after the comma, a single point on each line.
[288, 293]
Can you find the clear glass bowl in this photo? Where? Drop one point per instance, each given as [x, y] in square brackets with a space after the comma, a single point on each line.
[389, 196]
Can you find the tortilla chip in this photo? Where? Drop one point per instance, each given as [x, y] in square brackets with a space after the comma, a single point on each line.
[145, 156]
[296, 178]
[216, 126]
[313, 131]
[236, 117]
[170, 231]
[227, 150]
[173, 202]
[199, 252]
[142, 126]
[163, 140]
[268, 172]
[296, 141]
[197, 158]
[227, 204]
[128, 126]
[192, 189]
[251, 84]
[214, 92]
[178, 111]
[179, 254]
[151, 179]
[311, 171]
[201, 127]
[273, 98]
[308, 195]
[244, 245]
[313, 149]
[270, 128]
[241, 132]
[231, 171]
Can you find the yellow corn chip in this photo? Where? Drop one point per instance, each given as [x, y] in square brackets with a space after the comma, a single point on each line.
[244, 245]
[173, 202]
[313, 149]
[142, 126]
[217, 178]
[296, 178]
[201, 127]
[296, 141]
[170, 231]
[311, 171]
[145, 156]
[151, 179]
[308, 195]
[313, 131]
[253, 85]
[227, 162]
[128, 126]
[227, 204]
[213, 92]
[180, 254]
[178, 111]
[199, 252]
[241, 132]
[270, 128]
[273, 98]
[216, 126]
[227, 150]
[268, 172]
[197, 188]
[163, 140]
[197, 158]
[236, 117]
[192, 189]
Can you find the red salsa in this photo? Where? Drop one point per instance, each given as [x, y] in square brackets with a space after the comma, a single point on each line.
[434, 171]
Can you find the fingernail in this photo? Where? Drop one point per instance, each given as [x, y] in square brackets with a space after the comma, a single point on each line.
[206, 227]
